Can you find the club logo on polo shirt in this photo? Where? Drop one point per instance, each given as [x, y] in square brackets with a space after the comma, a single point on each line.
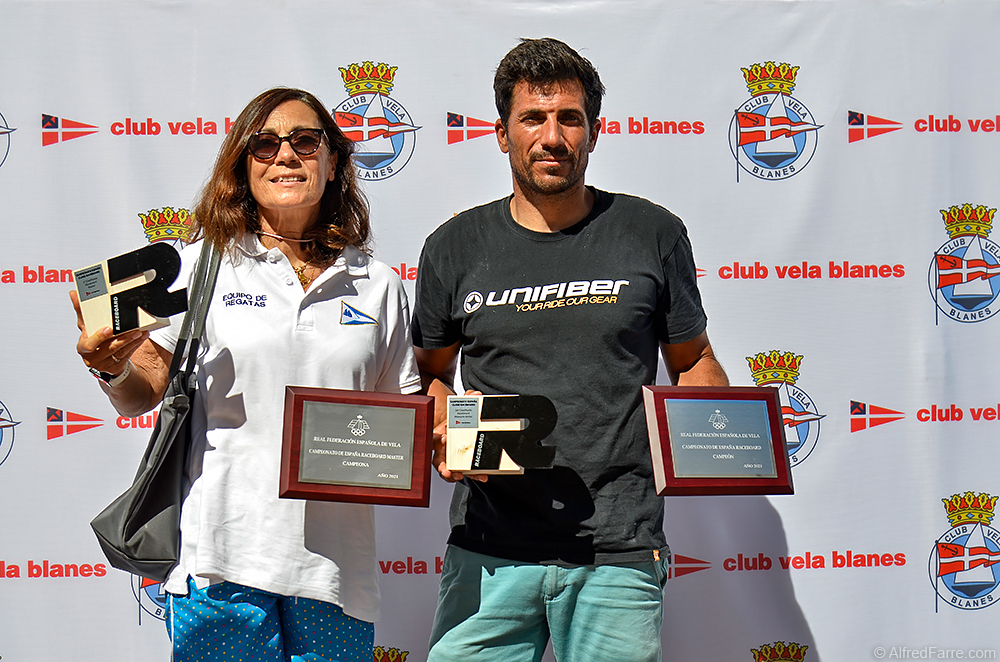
[964, 565]
[798, 412]
[962, 273]
[7, 424]
[351, 316]
[772, 134]
[5, 132]
[378, 124]
[780, 651]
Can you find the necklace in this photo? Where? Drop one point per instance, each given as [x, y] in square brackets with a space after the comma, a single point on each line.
[283, 238]
[304, 278]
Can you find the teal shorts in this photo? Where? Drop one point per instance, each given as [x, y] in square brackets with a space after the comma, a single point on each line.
[496, 610]
[228, 623]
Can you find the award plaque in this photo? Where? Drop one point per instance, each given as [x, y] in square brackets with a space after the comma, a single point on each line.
[708, 440]
[129, 291]
[356, 446]
[499, 434]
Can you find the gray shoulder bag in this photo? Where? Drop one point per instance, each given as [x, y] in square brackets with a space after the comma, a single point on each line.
[140, 530]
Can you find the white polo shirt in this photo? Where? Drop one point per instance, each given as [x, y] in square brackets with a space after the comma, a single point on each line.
[350, 330]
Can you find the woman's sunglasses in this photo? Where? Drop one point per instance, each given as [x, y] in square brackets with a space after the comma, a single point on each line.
[304, 142]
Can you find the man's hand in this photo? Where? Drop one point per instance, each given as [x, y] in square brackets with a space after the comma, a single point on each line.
[440, 459]
[437, 373]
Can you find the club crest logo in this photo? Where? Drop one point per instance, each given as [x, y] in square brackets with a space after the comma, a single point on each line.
[779, 651]
[379, 125]
[961, 276]
[964, 565]
[798, 412]
[772, 134]
[5, 132]
[167, 224]
[7, 424]
[151, 597]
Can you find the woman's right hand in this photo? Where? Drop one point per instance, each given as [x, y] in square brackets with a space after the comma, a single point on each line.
[145, 385]
[102, 350]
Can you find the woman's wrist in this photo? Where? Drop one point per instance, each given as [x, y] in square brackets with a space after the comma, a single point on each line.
[113, 380]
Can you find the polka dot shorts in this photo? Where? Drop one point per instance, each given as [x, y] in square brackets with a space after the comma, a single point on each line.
[229, 622]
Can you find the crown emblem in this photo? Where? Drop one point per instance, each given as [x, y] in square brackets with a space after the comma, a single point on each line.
[968, 220]
[779, 652]
[166, 224]
[968, 508]
[383, 654]
[368, 77]
[774, 367]
[770, 77]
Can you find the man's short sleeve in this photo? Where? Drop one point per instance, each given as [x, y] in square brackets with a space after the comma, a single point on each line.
[680, 316]
[433, 325]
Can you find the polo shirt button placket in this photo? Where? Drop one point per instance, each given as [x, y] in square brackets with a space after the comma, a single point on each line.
[273, 256]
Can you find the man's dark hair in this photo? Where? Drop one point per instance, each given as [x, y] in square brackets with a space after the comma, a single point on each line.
[542, 63]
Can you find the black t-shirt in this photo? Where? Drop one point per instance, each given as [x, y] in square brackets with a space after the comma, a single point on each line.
[576, 316]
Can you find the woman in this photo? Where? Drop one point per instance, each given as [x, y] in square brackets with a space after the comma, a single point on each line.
[297, 301]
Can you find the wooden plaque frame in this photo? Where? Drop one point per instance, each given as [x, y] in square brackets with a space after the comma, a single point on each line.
[292, 487]
[662, 441]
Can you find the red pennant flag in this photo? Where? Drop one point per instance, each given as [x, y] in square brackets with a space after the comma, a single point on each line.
[864, 416]
[861, 126]
[462, 128]
[685, 565]
[60, 423]
[56, 130]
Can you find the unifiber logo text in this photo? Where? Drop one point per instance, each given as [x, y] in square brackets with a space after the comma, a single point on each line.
[576, 288]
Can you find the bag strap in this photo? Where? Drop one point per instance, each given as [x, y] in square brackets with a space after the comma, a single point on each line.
[193, 325]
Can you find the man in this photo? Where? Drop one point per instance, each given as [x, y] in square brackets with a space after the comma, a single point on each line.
[565, 291]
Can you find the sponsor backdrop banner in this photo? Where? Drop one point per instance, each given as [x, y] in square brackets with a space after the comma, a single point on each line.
[835, 163]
